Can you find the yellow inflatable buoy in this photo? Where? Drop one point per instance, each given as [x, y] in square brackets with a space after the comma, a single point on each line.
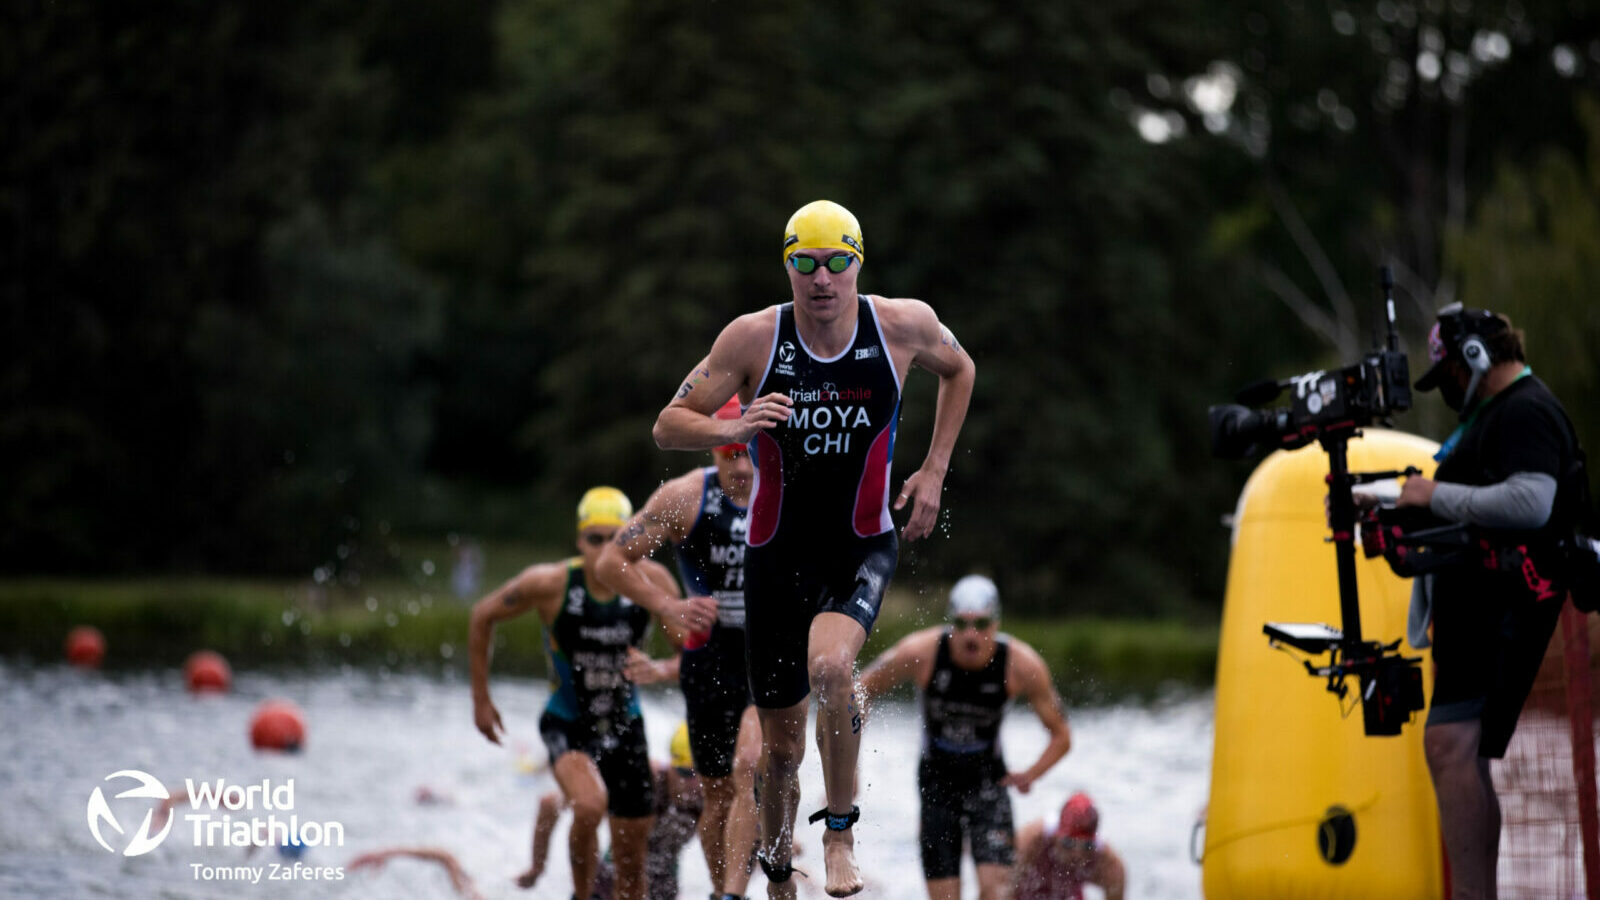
[1303, 803]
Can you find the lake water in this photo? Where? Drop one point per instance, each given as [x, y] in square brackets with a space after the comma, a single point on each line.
[374, 739]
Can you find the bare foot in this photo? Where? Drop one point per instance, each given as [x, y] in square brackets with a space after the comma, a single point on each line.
[528, 878]
[782, 890]
[839, 857]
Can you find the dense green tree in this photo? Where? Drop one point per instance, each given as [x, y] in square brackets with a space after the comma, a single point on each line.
[151, 153]
[133, 189]
[653, 152]
[1001, 183]
[281, 281]
[1374, 126]
[1532, 251]
[313, 407]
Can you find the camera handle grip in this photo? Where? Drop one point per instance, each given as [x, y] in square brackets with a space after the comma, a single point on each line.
[1369, 477]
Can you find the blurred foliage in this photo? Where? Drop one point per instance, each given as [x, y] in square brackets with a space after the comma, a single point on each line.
[1532, 251]
[262, 624]
[282, 286]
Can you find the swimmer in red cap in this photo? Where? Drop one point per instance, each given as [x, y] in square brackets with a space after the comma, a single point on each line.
[1055, 863]
[968, 673]
[701, 514]
[592, 725]
[819, 380]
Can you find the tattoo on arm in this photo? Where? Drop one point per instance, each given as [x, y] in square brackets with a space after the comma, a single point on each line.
[695, 379]
[646, 521]
[629, 534]
[948, 338]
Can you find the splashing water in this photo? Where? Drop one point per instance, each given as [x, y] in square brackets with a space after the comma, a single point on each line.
[376, 742]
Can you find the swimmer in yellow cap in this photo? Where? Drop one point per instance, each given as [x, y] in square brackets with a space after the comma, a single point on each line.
[819, 381]
[701, 514]
[678, 806]
[591, 725]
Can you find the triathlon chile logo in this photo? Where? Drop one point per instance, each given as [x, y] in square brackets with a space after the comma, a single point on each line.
[100, 813]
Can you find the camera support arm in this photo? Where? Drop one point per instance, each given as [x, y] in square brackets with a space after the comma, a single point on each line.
[1342, 518]
[1390, 684]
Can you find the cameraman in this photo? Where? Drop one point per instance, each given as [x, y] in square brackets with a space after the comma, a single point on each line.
[1501, 472]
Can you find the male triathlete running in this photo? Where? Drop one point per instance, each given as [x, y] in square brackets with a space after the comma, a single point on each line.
[677, 807]
[591, 724]
[967, 673]
[819, 379]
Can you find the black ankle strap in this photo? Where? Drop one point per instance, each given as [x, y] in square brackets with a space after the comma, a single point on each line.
[777, 874]
[837, 821]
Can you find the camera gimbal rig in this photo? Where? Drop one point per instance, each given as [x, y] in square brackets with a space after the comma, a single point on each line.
[1330, 408]
[1390, 684]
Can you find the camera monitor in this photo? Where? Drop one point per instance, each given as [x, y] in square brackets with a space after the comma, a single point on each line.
[1310, 637]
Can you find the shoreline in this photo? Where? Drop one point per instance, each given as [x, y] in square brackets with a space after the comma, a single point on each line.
[295, 624]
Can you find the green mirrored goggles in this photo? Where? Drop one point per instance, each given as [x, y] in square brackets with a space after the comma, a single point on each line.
[837, 263]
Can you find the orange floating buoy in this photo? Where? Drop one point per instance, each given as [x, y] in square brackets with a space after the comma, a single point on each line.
[86, 647]
[278, 725]
[206, 670]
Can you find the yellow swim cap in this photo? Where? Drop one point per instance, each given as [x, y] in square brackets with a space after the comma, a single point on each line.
[604, 506]
[823, 225]
[681, 757]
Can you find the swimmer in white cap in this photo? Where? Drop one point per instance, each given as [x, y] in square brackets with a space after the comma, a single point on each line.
[967, 673]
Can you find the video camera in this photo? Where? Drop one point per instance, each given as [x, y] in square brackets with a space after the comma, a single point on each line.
[1369, 391]
[1331, 407]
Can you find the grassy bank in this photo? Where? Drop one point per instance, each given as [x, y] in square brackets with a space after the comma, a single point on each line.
[409, 624]
[254, 624]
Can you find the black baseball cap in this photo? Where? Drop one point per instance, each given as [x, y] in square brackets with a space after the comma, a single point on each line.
[1444, 339]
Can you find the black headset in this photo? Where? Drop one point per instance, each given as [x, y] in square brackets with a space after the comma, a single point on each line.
[1474, 352]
